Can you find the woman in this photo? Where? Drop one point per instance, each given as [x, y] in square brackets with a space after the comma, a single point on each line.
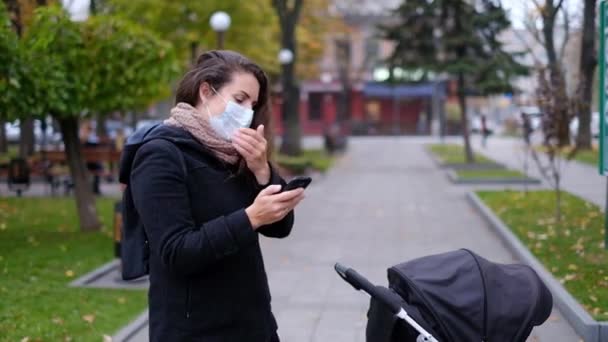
[203, 189]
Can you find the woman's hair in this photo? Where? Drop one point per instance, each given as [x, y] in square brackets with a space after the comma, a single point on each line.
[217, 68]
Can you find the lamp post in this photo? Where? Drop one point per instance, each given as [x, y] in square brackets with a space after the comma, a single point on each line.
[220, 22]
[289, 105]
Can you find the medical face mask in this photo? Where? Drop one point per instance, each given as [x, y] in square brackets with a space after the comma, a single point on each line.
[231, 120]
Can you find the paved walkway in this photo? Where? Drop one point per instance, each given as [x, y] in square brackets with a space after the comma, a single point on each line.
[578, 178]
[383, 204]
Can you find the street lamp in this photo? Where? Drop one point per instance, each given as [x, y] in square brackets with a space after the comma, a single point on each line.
[220, 22]
[285, 56]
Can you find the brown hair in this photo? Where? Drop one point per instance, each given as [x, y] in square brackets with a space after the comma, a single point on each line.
[217, 68]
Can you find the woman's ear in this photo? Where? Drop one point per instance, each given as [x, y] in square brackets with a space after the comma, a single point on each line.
[204, 92]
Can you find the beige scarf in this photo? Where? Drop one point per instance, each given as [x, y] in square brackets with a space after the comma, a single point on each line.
[188, 118]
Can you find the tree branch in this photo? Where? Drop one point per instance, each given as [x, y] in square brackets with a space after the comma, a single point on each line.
[527, 46]
[562, 51]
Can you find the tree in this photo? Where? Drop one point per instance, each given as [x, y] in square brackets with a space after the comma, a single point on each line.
[457, 38]
[288, 19]
[72, 83]
[587, 66]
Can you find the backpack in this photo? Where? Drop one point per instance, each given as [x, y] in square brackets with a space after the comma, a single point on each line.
[134, 246]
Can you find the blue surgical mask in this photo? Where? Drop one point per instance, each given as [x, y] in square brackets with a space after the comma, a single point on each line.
[231, 120]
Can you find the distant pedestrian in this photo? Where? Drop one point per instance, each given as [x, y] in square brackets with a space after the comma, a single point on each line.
[485, 131]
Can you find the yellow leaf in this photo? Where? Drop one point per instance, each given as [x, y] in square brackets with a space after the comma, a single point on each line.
[3, 226]
[69, 273]
[122, 300]
[572, 267]
[89, 318]
[593, 298]
[25, 339]
[57, 320]
[107, 338]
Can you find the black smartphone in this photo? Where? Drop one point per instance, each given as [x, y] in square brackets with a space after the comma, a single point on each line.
[297, 182]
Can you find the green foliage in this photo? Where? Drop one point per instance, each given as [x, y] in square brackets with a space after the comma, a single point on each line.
[454, 37]
[15, 83]
[133, 67]
[41, 251]
[253, 30]
[571, 249]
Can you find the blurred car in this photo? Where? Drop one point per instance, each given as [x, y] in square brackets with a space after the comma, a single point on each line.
[476, 125]
[534, 114]
[595, 125]
[50, 135]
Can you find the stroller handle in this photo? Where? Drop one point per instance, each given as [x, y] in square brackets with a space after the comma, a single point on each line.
[380, 293]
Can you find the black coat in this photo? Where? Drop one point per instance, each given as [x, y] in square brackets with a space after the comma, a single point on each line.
[207, 276]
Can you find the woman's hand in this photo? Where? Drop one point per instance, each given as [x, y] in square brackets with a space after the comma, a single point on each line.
[271, 205]
[252, 145]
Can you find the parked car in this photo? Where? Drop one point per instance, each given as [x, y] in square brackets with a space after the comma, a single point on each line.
[534, 114]
[595, 125]
[13, 132]
[475, 125]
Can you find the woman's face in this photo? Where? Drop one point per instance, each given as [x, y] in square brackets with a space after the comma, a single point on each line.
[242, 89]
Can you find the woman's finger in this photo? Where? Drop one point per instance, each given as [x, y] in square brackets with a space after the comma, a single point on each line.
[251, 150]
[242, 151]
[253, 134]
[252, 141]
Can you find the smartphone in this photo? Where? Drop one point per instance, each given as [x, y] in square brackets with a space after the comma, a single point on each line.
[297, 182]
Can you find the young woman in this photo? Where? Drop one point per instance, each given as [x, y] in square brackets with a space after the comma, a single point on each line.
[204, 190]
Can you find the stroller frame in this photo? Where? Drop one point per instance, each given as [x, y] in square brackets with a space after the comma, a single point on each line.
[385, 296]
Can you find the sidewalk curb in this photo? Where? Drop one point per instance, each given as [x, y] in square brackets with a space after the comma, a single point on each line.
[127, 332]
[589, 329]
[453, 177]
[99, 272]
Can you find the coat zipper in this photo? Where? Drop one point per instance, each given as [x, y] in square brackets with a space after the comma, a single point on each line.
[188, 299]
[485, 298]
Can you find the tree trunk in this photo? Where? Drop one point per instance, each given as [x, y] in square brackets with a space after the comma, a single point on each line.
[587, 68]
[85, 200]
[3, 140]
[462, 101]
[26, 139]
[292, 136]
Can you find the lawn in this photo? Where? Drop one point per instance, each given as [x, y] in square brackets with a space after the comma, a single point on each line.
[41, 251]
[573, 249]
[590, 157]
[316, 159]
[454, 154]
[489, 174]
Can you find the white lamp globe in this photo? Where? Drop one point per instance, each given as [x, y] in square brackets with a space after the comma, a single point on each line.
[285, 56]
[220, 21]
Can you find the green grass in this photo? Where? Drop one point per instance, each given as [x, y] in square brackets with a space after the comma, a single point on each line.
[41, 251]
[317, 160]
[591, 157]
[12, 152]
[454, 154]
[489, 174]
[571, 249]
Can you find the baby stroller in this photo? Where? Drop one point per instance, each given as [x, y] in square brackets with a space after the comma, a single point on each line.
[456, 296]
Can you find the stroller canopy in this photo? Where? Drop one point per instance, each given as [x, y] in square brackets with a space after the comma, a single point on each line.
[460, 296]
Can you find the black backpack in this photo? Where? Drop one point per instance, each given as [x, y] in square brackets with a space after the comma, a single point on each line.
[134, 246]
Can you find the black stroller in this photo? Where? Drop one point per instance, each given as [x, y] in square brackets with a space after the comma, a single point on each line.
[454, 297]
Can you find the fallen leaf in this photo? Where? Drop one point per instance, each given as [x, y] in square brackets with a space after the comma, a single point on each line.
[69, 273]
[25, 339]
[122, 300]
[57, 320]
[3, 226]
[572, 267]
[593, 298]
[107, 338]
[89, 318]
